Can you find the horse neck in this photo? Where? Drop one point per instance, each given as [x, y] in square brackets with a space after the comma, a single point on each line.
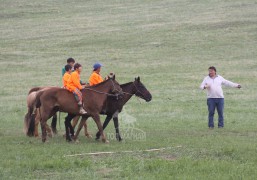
[129, 91]
[101, 89]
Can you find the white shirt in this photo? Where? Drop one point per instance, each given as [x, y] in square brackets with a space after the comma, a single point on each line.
[215, 86]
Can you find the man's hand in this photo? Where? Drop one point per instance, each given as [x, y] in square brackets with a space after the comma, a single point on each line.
[206, 86]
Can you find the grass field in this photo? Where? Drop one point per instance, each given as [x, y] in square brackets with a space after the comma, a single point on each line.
[170, 44]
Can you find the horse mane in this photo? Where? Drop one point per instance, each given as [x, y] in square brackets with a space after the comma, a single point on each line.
[99, 84]
[126, 84]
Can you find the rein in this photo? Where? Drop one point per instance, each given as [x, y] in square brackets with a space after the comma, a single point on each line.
[100, 92]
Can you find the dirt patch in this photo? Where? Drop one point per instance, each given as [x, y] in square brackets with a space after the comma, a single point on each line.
[168, 157]
[106, 172]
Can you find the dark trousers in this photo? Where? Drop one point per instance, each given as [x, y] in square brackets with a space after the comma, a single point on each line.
[215, 103]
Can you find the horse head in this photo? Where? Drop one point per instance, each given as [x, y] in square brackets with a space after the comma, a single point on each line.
[116, 89]
[141, 90]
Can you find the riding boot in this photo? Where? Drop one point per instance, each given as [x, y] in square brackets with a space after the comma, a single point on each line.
[81, 110]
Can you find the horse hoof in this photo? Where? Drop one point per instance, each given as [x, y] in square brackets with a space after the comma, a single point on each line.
[97, 136]
[69, 140]
[89, 136]
[105, 141]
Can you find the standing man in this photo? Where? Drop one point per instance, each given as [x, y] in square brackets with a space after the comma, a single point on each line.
[95, 77]
[215, 98]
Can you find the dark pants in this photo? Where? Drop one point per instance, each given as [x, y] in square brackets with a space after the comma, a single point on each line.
[212, 104]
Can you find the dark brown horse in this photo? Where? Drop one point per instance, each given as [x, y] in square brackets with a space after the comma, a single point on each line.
[113, 106]
[57, 99]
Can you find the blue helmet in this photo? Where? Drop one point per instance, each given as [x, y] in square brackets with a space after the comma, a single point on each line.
[96, 66]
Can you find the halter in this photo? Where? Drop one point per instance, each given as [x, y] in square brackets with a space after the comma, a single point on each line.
[137, 90]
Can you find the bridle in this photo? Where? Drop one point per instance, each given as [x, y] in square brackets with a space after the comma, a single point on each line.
[137, 91]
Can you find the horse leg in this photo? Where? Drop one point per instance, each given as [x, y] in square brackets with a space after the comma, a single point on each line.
[96, 118]
[43, 128]
[53, 124]
[37, 121]
[31, 125]
[75, 121]
[116, 125]
[68, 127]
[87, 134]
[36, 129]
[49, 131]
[106, 122]
[81, 124]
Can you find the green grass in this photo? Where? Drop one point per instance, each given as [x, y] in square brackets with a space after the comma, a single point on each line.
[170, 44]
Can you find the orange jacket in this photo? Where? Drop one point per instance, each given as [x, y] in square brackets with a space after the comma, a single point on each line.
[74, 82]
[95, 78]
[65, 79]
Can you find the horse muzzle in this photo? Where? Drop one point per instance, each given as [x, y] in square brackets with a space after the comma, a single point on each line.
[148, 99]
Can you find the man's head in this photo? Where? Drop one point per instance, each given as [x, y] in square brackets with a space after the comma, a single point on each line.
[97, 67]
[212, 71]
[71, 61]
[68, 68]
[78, 67]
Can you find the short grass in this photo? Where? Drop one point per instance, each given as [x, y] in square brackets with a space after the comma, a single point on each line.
[169, 44]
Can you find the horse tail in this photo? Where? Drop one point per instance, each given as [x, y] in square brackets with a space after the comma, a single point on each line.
[27, 120]
[32, 114]
[31, 125]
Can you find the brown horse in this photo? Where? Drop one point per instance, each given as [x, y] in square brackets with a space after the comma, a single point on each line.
[31, 98]
[57, 99]
[113, 106]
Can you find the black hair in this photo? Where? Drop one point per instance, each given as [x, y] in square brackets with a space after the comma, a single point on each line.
[68, 67]
[77, 65]
[70, 60]
[213, 68]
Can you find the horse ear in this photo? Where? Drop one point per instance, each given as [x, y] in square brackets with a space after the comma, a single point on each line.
[113, 77]
[138, 79]
[110, 76]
